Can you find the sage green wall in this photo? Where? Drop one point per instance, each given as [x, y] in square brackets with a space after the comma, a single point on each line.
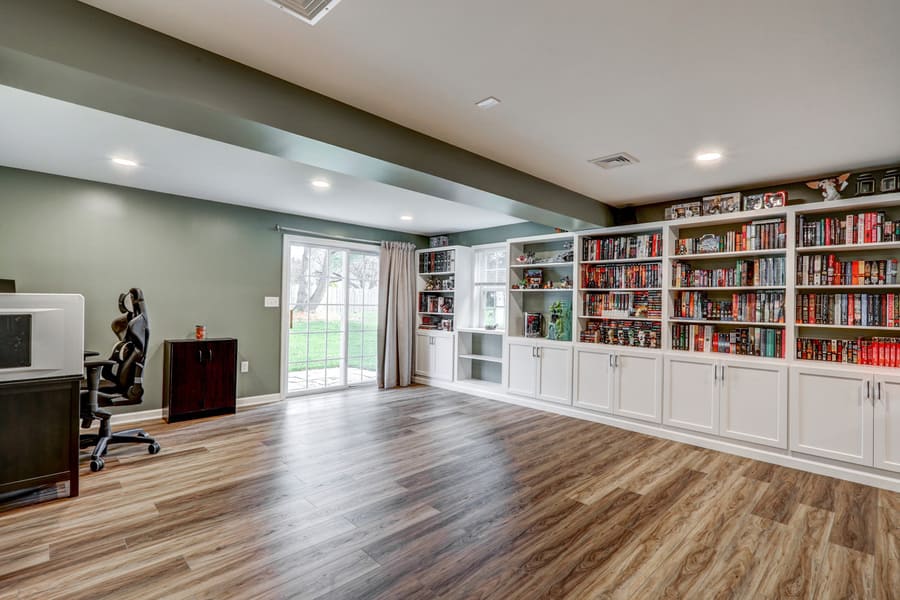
[197, 262]
[497, 234]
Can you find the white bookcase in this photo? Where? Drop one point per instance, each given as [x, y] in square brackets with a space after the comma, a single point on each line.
[727, 387]
[443, 297]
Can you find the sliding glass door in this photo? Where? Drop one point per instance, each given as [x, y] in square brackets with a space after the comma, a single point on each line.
[331, 311]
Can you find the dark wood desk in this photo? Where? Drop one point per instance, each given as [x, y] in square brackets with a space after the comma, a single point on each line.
[199, 378]
[39, 433]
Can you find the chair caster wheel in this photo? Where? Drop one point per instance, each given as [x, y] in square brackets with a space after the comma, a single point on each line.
[96, 464]
[153, 448]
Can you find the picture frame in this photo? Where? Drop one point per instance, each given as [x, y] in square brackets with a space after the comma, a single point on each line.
[865, 184]
[754, 201]
[890, 181]
[534, 325]
[775, 199]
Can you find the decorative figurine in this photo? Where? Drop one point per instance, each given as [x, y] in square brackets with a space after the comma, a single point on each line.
[830, 187]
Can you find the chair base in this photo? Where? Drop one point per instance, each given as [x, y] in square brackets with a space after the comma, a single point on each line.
[101, 443]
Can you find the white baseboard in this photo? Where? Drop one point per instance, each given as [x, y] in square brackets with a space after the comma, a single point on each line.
[156, 414]
[783, 458]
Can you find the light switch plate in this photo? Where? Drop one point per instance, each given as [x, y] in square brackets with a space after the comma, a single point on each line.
[271, 302]
[245, 366]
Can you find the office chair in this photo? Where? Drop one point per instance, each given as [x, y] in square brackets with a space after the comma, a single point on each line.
[117, 381]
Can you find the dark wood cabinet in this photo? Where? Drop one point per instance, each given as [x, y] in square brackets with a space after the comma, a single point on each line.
[39, 433]
[199, 378]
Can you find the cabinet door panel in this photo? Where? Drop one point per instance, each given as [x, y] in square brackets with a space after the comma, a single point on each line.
[887, 423]
[522, 376]
[221, 373]
[638, 386]
[691, 397]
[555, 379]
[442, 358]
[753, 403]
[186, 387]
[593, 380]
[423, 355]
[830, 414]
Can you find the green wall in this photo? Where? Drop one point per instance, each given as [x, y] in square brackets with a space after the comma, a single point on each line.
[197, 262]
[497, 234]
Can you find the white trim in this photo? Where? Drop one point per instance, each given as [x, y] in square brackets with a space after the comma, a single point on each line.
[774, 456]
[156, 414]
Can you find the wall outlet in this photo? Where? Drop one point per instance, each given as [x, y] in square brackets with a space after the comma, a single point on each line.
[271, 302]
[245, 366]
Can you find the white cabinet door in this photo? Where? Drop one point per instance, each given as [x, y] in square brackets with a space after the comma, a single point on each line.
[638, 386]
[831, 415]
[691, 398]
[555, 379]
[522, 369]
[442, 358]
[594, 379]
[887, 423]
[423, 355]
[753, 402]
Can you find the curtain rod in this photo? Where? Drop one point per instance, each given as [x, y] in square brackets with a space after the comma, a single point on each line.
[326, 236]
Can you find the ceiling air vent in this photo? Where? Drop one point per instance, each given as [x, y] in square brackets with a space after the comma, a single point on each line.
[309, 11]
[613, 161]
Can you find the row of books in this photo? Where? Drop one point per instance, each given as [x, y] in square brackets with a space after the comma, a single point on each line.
[822, 269]
[754, 272]
[875, 310]
[762, 307]
[637, 334]
[622, 276]
[437, 262]
[861, 228]
[644, 245]
[435, 304]
[744, 341]
[644, 304]
[878, 351]
[767, 234]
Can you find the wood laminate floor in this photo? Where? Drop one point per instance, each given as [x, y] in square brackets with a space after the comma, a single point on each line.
[424, 493]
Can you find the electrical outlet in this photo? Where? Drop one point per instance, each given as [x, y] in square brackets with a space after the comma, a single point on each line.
[245, 366]
[270, 302]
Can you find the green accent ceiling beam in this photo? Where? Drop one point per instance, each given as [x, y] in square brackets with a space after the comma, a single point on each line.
[76, 53]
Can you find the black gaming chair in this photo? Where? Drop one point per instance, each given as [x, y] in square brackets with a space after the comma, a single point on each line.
[118, 381]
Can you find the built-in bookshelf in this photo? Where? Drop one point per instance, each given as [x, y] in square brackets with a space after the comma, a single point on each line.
[620, 281]
[847, 306]
[479, 355]
[727, 285]
[442, 286]
[541, 287]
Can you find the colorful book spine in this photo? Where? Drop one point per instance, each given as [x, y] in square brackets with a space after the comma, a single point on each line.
[758, 272]
[645, 245]
[876, 351]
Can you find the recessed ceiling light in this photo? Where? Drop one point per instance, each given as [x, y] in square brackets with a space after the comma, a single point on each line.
[708, 156]
[489, 102]
[125, 162]
[406, 218]
[320, 183]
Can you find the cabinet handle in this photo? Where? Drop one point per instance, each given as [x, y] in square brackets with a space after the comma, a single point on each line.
[723, 373]
[715, 372]
[611, 361]
[868, 390]
[200, 356]
[209, 355]
[617, 361]
[878, 392]
[537, 352]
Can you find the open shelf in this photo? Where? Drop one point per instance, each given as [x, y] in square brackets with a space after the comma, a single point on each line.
[848, 247]
[735, 323]
[482, 357]
[738, 254]
[742, 287]
[541, 265]
[867, 327]
[541, 290]
[647, 289]
[603, 318]
[611, 261]
[887, 287]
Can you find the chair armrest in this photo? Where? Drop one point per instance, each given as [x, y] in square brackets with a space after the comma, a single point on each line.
[88, 353]
[96, 364]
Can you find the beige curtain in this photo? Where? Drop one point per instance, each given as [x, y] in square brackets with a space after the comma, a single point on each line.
[396, 314]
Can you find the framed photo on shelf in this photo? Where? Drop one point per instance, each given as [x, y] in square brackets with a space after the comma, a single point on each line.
[773, 199]
[865, 184]
[890, 181]
[534, 325]
[754, 201]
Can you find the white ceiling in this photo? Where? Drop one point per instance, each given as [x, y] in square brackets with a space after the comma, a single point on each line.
[57, 137]
[784, 89]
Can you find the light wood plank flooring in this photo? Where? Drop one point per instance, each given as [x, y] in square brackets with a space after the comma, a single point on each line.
[424, 493]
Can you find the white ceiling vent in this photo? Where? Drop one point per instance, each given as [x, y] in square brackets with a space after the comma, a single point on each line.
[308, 11]
[614, 161]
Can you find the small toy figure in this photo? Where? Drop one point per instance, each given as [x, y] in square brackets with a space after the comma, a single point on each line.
[830, 187]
